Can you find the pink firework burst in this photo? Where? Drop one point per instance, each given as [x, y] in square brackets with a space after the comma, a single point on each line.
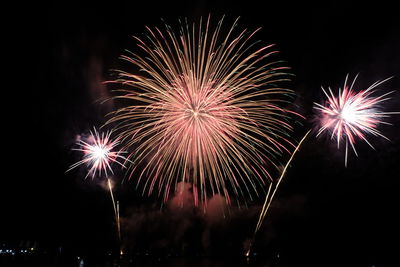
[353, 115]
[207, 109]
[98, 153]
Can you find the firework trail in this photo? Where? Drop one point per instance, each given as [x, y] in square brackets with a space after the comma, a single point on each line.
[209, 109]
[348, 115]
[270, 197]
[116, 209]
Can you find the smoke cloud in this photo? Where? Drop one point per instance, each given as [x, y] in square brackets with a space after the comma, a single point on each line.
[181, 228]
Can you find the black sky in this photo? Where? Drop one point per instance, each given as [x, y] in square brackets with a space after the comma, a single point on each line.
[59, 52]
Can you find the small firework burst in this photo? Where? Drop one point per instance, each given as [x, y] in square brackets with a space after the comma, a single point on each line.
[98, 153]
[353, 115]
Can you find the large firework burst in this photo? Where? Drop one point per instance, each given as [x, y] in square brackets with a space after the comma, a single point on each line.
[209, 109]
[351, 115]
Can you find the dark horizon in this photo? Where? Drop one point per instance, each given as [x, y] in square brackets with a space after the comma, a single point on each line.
[62, 52]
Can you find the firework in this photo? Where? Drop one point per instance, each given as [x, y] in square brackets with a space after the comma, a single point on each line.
[349, 115]
[98, 153]
[209, 109]
[353, 115]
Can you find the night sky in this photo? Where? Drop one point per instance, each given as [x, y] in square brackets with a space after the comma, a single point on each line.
[60, 53]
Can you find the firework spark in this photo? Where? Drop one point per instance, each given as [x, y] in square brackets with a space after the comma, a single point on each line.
[351, 115]
[209, 109]
[98, 153]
